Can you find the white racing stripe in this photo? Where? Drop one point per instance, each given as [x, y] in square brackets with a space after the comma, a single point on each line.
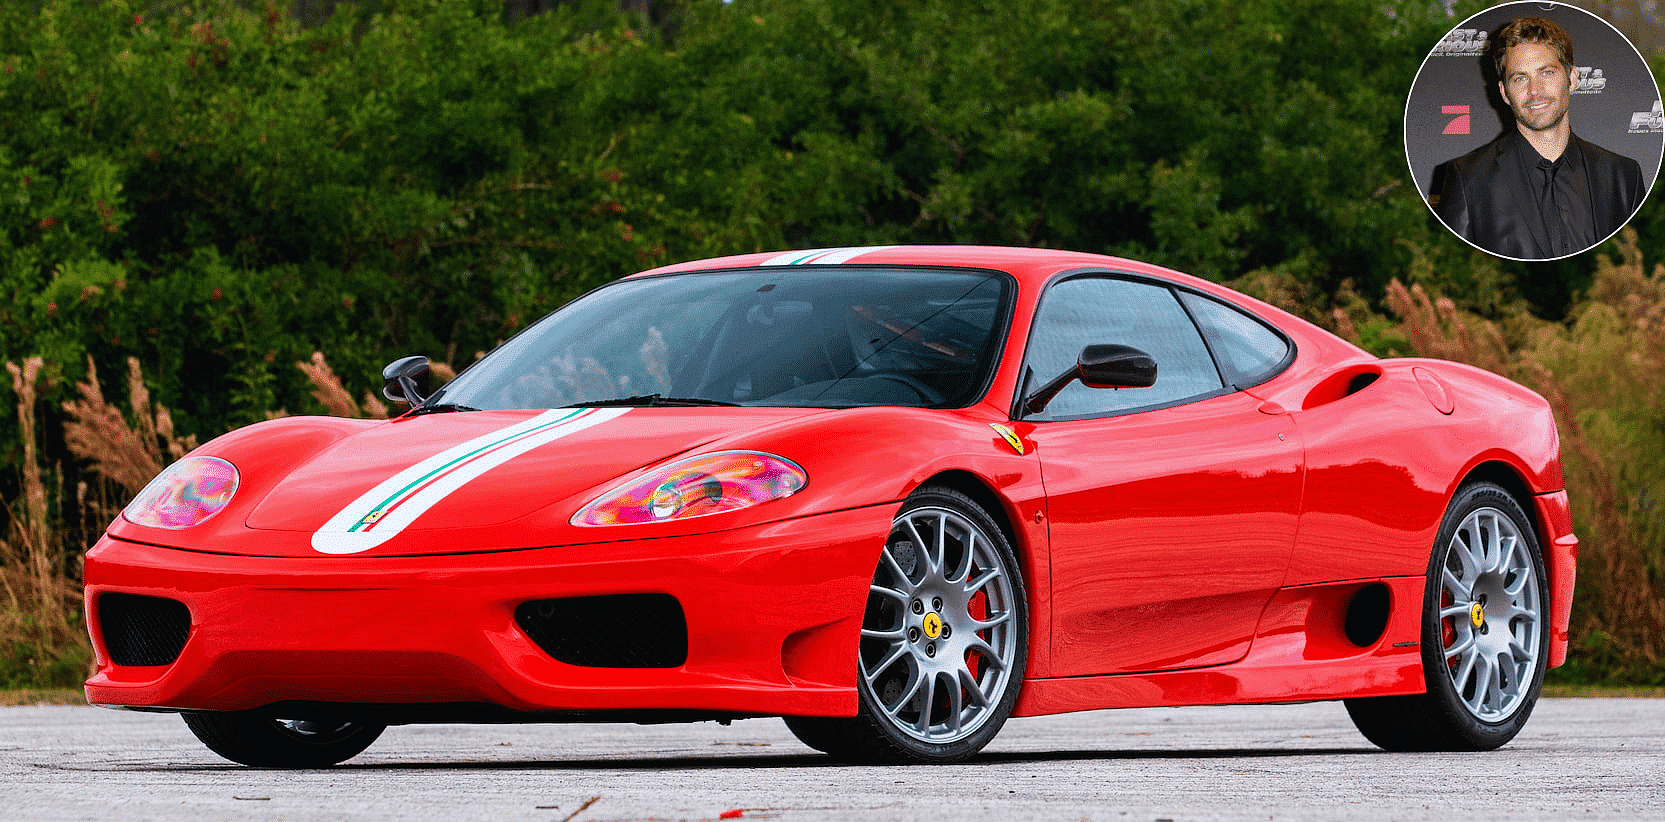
[385, 510]
[822, 256]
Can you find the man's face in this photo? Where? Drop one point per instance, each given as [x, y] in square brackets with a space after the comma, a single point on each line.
[1536, 86]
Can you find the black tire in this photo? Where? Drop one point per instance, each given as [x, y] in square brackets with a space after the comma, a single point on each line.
[1485, 634]
[944, 640]
[262, 741]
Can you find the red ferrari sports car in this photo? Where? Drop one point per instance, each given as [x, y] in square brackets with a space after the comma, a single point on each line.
[894, 495]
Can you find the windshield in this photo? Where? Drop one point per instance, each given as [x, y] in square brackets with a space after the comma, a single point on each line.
[819, 337]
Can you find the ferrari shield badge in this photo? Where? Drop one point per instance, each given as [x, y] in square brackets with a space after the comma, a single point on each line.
[1009, 435]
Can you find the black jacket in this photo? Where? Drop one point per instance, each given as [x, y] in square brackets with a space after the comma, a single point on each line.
[1485, 200]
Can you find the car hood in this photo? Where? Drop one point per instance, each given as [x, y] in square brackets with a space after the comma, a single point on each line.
[392, 481]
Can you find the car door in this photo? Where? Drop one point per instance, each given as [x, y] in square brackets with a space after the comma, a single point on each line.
[1172, 509]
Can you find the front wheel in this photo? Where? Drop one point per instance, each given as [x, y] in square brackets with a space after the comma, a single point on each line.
[1484, 634]
[262, 741]
[943, 640]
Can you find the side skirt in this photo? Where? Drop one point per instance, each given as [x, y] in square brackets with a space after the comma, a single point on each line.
[1315, 642]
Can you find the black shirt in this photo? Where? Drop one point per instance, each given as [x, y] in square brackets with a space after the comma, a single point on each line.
[1563, 197]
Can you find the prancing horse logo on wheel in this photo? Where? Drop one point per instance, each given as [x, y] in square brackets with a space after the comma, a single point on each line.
[933, 625]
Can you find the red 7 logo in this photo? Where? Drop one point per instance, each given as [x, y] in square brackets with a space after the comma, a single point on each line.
[1458, 124]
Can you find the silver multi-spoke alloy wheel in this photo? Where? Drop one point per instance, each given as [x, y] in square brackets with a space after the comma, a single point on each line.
[944, 638]
[1485, 635]
[938, 642]
[1491, 615]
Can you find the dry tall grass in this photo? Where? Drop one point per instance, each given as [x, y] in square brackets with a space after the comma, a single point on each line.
[330, 393]
[40, 626]
[128, 454]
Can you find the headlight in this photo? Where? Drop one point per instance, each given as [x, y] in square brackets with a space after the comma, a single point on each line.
[697, 487]
[186, 493]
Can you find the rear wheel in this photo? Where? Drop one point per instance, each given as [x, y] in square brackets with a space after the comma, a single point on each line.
[943, 640]
[1484, 634]
[262, 741]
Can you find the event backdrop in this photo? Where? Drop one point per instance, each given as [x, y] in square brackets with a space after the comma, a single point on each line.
[1454, 106]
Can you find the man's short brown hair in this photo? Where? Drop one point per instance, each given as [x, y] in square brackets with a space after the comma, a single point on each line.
[1531, 30]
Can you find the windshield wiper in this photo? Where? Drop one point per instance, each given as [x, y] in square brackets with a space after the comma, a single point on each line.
[650, 401]
[438, 408]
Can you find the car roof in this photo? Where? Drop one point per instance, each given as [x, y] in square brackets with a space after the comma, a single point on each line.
[1027, 265]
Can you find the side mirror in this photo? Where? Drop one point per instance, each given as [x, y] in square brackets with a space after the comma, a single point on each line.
[1099, 366]
[406, 380]
[1115, 366]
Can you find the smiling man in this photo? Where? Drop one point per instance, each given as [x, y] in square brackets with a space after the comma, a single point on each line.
[1538, 192]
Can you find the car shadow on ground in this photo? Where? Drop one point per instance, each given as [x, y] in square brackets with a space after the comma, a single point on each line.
[781, 761]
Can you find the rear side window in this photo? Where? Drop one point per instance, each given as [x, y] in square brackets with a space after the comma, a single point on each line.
[1249, 352]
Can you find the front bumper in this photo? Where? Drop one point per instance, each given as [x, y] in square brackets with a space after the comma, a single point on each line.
[773, 617]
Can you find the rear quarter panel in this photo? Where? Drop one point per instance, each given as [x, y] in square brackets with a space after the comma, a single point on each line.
[1383, 463]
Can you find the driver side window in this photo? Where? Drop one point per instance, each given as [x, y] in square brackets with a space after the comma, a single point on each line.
[1084, 311]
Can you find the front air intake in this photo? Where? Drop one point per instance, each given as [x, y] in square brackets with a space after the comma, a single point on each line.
[612, 631]
[140, 630]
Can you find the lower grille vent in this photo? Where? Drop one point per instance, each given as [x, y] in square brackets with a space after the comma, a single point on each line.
[612, 631]
[141, 630]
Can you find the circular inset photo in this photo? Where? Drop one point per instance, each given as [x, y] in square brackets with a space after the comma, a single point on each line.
[1534, 130]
